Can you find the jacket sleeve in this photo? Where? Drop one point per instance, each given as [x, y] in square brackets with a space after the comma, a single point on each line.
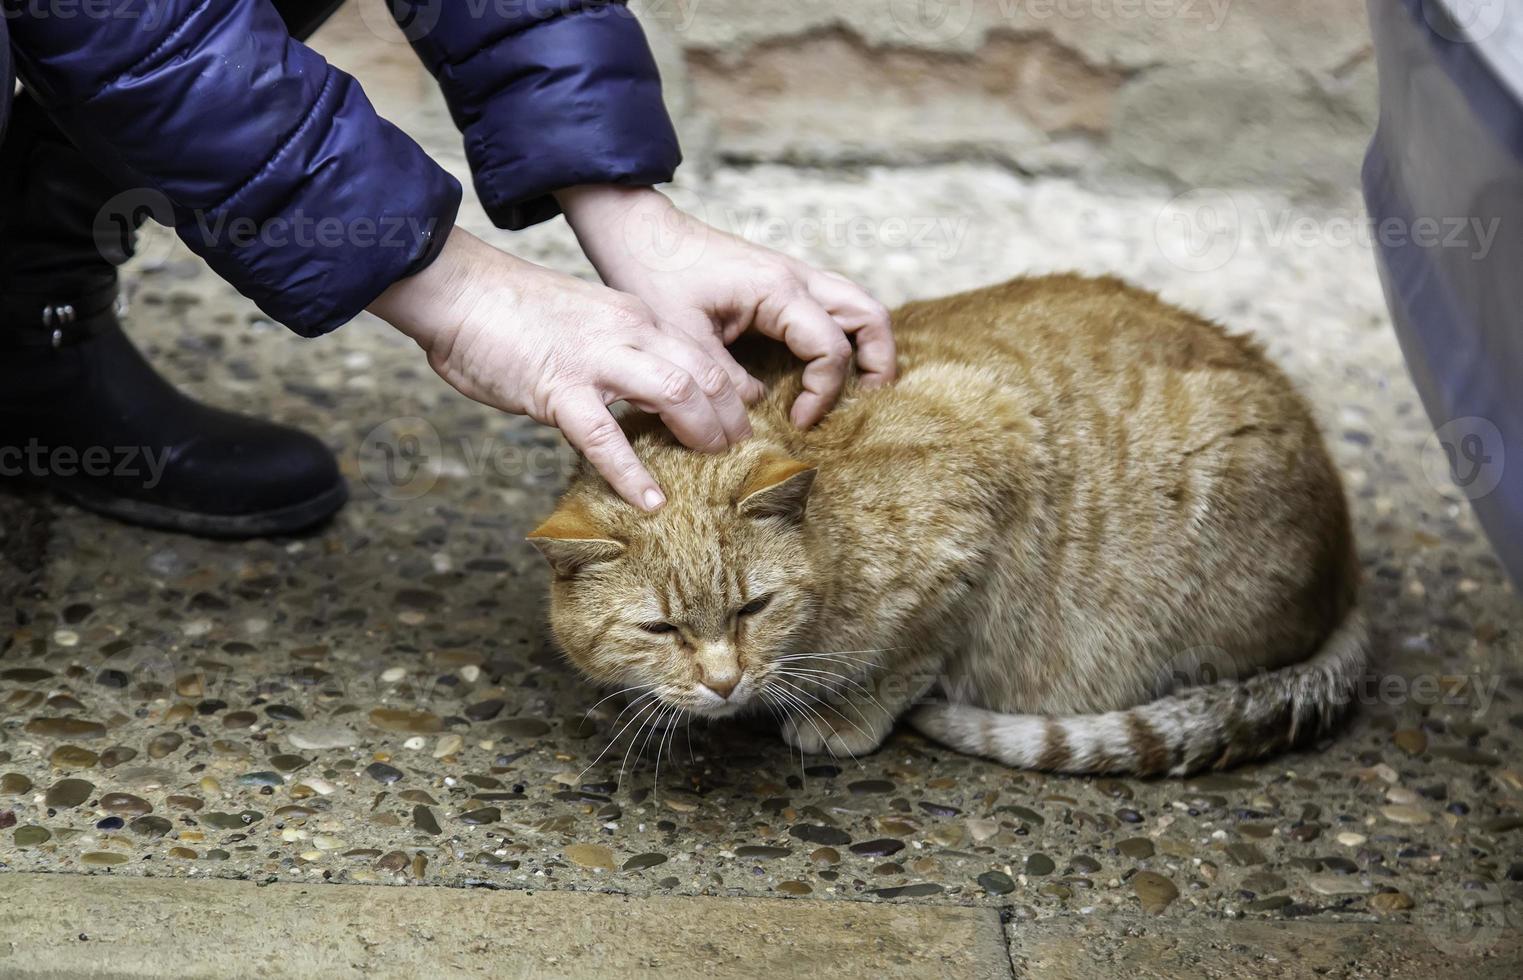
[270, 163]
[548, 95]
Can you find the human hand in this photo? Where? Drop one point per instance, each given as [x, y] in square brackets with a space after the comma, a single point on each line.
[524, 339]
[714, 286]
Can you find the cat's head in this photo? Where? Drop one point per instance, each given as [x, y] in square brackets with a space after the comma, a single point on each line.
[697, 600]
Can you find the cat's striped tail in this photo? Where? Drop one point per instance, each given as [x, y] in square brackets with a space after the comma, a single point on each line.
[1212, 726]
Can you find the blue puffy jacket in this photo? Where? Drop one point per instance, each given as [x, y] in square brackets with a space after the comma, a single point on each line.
[273, 165]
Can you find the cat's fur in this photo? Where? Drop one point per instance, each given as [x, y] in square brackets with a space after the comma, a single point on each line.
[1099, 532]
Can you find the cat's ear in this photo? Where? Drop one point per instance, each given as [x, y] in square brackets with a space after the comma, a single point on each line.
[570, 541]
[778, 487]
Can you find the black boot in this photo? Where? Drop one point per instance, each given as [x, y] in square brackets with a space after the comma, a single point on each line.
[82, 412]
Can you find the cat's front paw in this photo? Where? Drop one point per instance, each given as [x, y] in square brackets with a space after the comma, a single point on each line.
[803, 737]
[813, 737]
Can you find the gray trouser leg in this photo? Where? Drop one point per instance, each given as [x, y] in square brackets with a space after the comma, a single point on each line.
[1443, 182]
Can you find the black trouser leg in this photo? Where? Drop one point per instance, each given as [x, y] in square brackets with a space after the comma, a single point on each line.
[302, 17]
[50, 195]
[7, 83]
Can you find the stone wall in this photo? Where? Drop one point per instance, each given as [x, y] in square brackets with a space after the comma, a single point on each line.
[1226, 93]
[1266, 94]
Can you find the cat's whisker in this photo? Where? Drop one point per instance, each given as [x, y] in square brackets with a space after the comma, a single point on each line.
[671, 729]
[895, 646]
[813, 676]
[767, 702]
[826, 680]
[842, 656]
[665, 723]
[624, 763]
[805, 712]
[801, 685]
[634, 701]
[653, 725]
[799, 689]
[865, 691]
[774, 706]
[843, 717]
[646, 714]
[787, 701]
[659, 733]
[632, 723]
[661, 746]
[855, 664]
[821, 672]
[614, 740]
[862, 650]
[849, 703]
[671, 739]
[627, 690]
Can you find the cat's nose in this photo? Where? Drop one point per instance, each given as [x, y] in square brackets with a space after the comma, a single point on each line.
[722, 684]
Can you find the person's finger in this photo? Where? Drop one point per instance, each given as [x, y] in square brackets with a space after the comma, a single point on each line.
[590, 428]
[655, 384]
[816, 338]
[701, 330]
[863, 317]
[747, 385]
[716, 383]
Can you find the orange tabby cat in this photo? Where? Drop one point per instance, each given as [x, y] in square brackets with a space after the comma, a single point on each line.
[1086, 531]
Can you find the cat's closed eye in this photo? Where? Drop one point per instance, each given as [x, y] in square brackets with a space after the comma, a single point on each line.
[755, 605]
[658, 628]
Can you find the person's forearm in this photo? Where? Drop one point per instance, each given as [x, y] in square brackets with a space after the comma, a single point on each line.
[603, 216]
[430, 305]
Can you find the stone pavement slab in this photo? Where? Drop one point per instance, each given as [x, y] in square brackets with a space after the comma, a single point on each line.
[1135, 949]
[110, 926]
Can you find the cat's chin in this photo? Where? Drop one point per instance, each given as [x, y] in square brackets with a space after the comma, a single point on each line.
[721, 709]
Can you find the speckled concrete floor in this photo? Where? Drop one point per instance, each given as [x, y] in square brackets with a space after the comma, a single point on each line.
[377, 702]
